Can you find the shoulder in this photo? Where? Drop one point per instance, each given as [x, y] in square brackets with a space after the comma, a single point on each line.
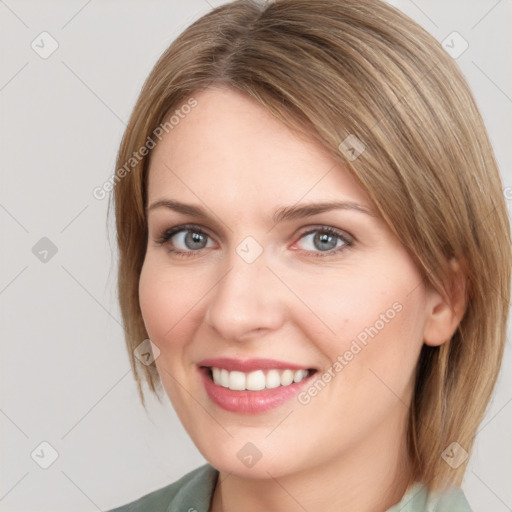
[191, 492]
[419, 499]
[449, 501]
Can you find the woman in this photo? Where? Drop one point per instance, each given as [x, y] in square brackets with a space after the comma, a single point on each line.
[308, 207]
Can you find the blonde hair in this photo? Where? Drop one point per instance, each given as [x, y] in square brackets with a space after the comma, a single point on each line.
[356, 68]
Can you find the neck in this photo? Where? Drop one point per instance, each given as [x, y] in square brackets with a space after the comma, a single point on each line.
[369, 477]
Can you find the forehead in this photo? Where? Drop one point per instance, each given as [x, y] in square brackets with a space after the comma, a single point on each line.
[231, 149]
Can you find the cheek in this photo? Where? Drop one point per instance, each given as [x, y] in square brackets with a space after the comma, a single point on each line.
[167, 306]
[172, 303]
[370, 318]
[163, 303]
[153, 303]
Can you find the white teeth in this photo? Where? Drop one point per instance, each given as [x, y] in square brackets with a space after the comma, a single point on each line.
[237, 381]
[224, 378]
[299, 375]
[287, 377]
[273, 379]
[256, 380]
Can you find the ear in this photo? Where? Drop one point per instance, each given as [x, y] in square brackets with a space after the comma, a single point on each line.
[445, 311]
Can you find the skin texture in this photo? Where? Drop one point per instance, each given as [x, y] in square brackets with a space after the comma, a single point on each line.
[345, 449]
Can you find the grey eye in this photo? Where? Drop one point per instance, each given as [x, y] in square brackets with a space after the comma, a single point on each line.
[322, 241]
[190, 240]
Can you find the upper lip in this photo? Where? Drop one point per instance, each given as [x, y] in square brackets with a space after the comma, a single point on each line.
[248, 365]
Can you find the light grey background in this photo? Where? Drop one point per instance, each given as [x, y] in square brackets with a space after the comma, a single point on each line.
[65, 375]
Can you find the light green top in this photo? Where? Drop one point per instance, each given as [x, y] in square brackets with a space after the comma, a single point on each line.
[193, 492]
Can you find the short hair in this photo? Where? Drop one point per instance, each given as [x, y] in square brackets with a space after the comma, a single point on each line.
[355, 69]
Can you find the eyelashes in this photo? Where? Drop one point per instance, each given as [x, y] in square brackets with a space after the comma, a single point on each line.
[165, 238]
[194, 235]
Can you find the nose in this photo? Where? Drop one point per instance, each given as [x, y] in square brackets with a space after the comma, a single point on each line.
[248, 301]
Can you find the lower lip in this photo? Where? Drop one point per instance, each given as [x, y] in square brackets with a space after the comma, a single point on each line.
[250, 402]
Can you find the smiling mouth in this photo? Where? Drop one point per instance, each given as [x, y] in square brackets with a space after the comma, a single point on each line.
[256, 380]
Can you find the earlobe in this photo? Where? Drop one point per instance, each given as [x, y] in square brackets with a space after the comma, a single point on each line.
[445, 311]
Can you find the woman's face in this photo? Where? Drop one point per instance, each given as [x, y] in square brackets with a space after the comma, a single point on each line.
[267, 292]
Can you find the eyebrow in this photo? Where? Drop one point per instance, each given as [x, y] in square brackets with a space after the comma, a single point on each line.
[285, 213]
